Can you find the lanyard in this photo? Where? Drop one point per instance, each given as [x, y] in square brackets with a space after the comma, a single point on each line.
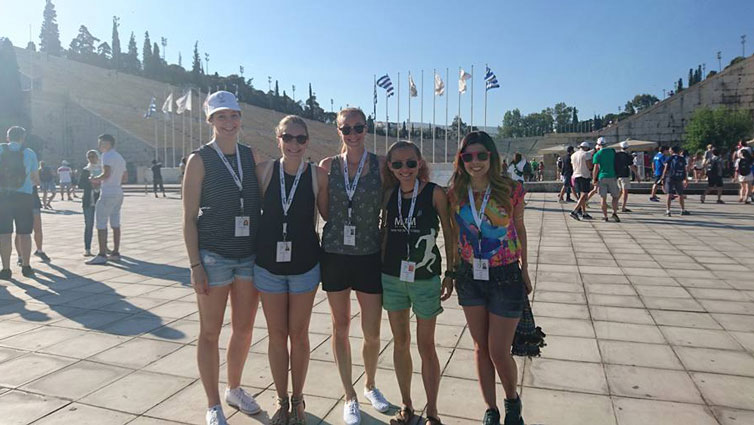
[407, 224]
[287, 201]
[237, 178]
[351, 187]
[479, 214]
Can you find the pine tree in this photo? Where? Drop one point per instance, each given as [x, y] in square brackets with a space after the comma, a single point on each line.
[82, 47]
[196, 66]
[180, 60]
[157, 63]
[11, 112]
[680, 85]
[146, 55]
[31, 47]
[277, 90]
[117, 57]
[49, 36]
[131, 61]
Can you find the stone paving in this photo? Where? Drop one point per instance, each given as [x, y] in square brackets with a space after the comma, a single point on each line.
[649, 321]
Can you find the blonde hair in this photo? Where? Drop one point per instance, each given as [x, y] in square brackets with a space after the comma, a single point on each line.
[342, 114]
[288, 120]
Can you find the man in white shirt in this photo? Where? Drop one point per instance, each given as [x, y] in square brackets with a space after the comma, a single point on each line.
[582, 173]
[64, 174]
[111, 199]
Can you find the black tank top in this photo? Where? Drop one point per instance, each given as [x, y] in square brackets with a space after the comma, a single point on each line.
[301, 233]
[219, 205]
[424, 230]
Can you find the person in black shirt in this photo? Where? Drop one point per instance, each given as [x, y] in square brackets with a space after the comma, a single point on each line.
[566, 173]
[624, 165]
[90, 197]
[157, 177]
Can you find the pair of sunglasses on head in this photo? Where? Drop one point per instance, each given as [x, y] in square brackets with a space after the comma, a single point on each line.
[346, 130]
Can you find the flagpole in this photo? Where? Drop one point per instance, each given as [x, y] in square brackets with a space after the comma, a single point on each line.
[374, 102]
[387, 123]
[434, 100]
[191, 120]
[458, 142]
[398, 105]
[183, 134]
[156, 142]
[409, 106]
[471, 119]
[447, 102]
[421, 117]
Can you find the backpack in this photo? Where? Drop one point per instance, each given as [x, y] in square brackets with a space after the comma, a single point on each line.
[12, 168]
[744, 167]
[677, 168]
[527, 168]
[714, 166]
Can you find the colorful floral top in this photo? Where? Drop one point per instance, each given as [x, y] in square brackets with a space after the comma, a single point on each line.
[500, 242]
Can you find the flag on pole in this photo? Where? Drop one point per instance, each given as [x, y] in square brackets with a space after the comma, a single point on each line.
[151, 109]
[205, 105]
[439, 86]
[490, 80]
[462, 81]
[412, 87]
[386, 84]
[183, 103]
[167, 107]
[375, 98]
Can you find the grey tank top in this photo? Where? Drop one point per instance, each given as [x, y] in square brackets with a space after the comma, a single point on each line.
[366, 210]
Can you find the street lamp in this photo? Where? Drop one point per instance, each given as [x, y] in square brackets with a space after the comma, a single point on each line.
[164, 42]
[719, 61]
[206, 59]
[743, 45]
[293, 87]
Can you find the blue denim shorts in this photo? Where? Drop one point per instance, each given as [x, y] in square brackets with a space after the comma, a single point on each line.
[291, 284]
[221, 271]
[503, 295]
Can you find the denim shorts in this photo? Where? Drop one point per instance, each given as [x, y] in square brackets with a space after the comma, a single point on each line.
[291, 284]
[221, 271]
[503, 295]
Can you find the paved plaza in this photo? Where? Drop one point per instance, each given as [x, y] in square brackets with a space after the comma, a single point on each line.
[650, 321]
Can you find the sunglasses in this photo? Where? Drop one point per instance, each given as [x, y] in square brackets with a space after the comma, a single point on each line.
[300, 139]
[480, 156]
[357, 128]
[411, 163]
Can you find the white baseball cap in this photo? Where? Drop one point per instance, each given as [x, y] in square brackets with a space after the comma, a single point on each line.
[601, 141]
[585, 144]
[624, 145]
[220, 101]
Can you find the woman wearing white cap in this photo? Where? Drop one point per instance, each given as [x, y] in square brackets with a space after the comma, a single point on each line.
[221, 207]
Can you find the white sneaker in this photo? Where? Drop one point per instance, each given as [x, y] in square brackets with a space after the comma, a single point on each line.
[115, 256]
[98, 260]
[242, 401]
[215, 416]
[377, 399]
[351, 412]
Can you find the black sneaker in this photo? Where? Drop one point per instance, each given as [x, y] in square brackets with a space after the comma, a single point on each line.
[654, 199]
[720, 201]
[491, 417]
[19, 262]
[5, 274]
[513, 412]
[625, 210]
[42, 256]
[684, 212]
[605, 219]
[667, 213]
[616, 218]
[27, 271]
[575, 216]
[570, 200]
[586, 216]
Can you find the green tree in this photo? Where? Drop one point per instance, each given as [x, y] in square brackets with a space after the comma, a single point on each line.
[196, 66]
[157, 64]
[49, 36]
[146, 56]
[575, 117]
[721, 127]
[117, 59]
[629, 108]
[513, 125]
[104, 54]
[643, 101]
[735, 60]
[31, 47]
[82, 48]
[679, 86]
[131, 61]
[12, 111]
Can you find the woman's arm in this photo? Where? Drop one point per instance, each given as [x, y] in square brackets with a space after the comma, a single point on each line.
[440, 202]
[323, 199]
[192, 191]
[518, 222]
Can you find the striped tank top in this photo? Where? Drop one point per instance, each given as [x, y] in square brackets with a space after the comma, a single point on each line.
[219, 204]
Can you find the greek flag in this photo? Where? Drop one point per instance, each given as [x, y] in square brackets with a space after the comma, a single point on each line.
[386, 84]
[491, 80]
[151, 109]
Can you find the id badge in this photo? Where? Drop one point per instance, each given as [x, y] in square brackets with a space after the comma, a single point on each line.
[284, 252]
[408, 270]
[349, 235]
[242, 226]
[481, 269]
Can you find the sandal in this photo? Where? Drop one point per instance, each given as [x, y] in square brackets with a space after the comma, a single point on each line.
[404, 416]
[294, 418]
[281, 416]
[431, 420]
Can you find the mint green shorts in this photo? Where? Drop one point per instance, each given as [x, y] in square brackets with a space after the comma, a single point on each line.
[423, 296]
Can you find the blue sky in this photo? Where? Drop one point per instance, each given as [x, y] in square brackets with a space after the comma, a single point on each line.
[594, 55]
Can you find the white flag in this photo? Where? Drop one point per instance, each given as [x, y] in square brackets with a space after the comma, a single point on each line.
[205, 105]
[167, 107]
[411, 86]
[439, 86]
[462, 81]
[183, 103]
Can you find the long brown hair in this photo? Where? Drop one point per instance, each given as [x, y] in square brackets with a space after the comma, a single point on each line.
[342, 114]
[501, 186]
[389, 181]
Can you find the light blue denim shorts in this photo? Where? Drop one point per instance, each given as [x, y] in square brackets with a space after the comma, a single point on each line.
[221, 271]
[290, 284]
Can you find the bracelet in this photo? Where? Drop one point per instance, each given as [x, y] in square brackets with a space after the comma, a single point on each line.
[195, 265]
[451, 274]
